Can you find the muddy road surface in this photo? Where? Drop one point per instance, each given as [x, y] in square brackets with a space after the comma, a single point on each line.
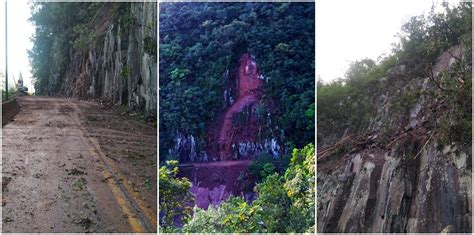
[71, 166]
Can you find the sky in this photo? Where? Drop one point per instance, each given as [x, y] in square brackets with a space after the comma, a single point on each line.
[350, 30]
[19, 33]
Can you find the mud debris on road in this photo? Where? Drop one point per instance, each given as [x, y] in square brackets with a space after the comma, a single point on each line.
[65, 169]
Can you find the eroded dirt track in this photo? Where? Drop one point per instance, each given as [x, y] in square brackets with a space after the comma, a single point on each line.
[70, 166]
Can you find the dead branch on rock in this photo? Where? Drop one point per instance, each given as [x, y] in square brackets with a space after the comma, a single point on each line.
[395, 140]
[424, 145]
[353, 140]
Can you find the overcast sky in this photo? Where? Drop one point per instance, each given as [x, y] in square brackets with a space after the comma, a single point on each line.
[350, 30]
[19, 34]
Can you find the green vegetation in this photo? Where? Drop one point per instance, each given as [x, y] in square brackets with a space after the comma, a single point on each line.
[125, 18]
[79, 184]
[124, 73]
[405, 101]
[59, 28]
[423, 38]
[11, 88]
[150, 46]
[66, 32]
[285, 203]
[174, 197]
[265, 165]
[457, 95]
[86, 38]
[11, 92]
[200, 47]
[348, 104]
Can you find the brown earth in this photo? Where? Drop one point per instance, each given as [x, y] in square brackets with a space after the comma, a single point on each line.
[70, 166]
[224, 132]
[214, 182]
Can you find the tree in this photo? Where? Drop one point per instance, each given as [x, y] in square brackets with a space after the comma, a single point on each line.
[175, 197]
[210, 221]
[300, 181]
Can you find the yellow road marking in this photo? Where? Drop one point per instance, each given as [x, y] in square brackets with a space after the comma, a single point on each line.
[97, 154]
[132, 219]
[147, 211]
[135, 224]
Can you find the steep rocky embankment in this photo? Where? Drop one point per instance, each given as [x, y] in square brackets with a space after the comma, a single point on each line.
[399, 175]
[118, 64]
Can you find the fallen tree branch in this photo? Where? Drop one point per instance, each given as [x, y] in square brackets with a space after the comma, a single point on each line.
[431, 76]
[353, 139]
[334, 145]
[424, 145]
[395, 140]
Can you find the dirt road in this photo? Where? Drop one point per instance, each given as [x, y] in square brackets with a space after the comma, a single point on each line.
[71, 166]
[214, 182]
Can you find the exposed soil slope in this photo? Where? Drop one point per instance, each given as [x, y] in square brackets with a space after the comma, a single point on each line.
[248, 84]
[214, 182]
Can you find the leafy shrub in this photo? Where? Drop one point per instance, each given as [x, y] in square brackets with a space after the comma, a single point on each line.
[208, 221]
[265, 164]
[149, 45]
[124, 73]
[174, 196]
[85, 39]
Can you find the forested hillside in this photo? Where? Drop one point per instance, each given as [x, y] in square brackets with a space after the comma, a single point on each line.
[96, 50]
[395, 135]
[200, 47]
[237, 117]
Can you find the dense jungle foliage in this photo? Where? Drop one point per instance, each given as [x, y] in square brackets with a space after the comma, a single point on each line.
[346, 104]
[200, 45]
[285, 202]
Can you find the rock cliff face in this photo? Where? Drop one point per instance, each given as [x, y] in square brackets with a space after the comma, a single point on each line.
[399, 175]
[120, 65]
[234, 137]
[242, 130]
